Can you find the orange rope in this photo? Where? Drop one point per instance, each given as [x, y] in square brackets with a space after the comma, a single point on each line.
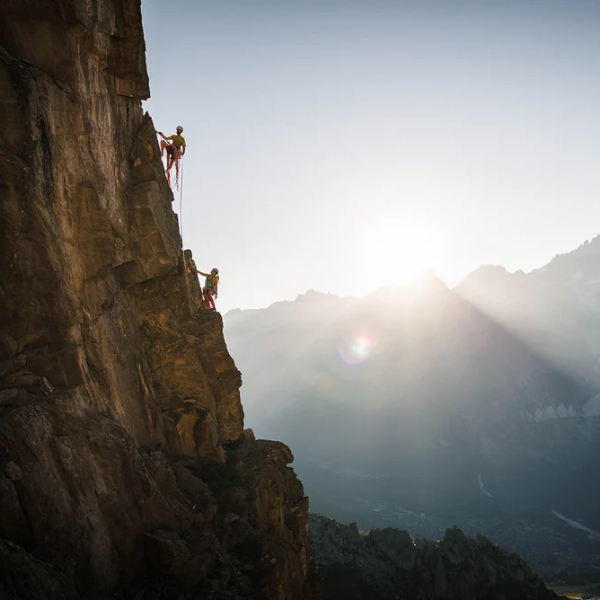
[181, 206]
[177, 155]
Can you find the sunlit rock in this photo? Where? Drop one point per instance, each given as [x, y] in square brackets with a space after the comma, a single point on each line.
[122, 453]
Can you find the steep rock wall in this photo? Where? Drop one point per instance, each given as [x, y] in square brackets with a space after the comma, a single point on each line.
[92, 262]
[121, 427]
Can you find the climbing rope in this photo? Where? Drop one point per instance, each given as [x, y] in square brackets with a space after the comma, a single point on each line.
[180, 198]
[186, 267]
[178, 185]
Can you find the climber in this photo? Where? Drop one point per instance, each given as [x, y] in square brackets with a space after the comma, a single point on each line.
[174, 150]
[211, 288]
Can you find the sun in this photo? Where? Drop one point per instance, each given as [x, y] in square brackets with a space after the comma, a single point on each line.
[397, 251]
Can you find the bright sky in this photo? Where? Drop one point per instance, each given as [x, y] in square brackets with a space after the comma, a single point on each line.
[342, 145]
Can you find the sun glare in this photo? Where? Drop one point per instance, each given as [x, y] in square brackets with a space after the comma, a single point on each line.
[395, 252]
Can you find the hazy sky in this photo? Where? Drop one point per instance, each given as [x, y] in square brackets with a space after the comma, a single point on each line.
[341, 144]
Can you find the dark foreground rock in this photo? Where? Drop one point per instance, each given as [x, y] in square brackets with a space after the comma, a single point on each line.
[22, 576]
[386, 564]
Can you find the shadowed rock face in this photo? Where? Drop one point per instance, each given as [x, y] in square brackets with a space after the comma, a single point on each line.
[387, 563]
[117, 393]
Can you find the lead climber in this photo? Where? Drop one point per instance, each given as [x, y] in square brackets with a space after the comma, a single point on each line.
[211, 288]
[174, 150]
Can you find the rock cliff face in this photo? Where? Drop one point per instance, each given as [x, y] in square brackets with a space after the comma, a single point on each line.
[123, 457]
[388, 564]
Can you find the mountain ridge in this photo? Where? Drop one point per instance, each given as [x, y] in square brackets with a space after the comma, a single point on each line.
[446, 388]
[590, 246]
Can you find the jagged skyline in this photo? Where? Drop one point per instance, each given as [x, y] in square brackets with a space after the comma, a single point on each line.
[309, 125]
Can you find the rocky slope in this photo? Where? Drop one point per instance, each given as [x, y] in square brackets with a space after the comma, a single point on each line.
[388, 564]
[124, 465]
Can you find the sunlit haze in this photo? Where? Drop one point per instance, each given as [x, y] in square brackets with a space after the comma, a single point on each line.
[343, 145]
[397, 251]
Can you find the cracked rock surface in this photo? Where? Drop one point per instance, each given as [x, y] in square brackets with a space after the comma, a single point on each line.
[124, 468]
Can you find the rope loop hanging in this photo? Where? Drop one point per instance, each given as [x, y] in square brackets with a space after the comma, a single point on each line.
[180, 187]
[187, 270]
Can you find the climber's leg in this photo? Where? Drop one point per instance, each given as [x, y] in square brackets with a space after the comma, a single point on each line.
[209, 302]
[170, 150]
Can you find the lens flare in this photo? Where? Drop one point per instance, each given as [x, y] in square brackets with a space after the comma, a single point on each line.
[356, 348]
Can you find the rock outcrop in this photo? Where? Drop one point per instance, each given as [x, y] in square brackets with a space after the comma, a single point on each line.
[123, 460]
[388, 564]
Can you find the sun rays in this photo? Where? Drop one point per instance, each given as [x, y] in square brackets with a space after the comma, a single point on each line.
[396, 251]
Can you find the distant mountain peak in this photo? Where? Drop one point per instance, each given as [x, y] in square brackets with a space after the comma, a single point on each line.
[312, 296]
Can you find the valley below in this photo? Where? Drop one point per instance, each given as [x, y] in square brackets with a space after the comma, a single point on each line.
[423, 408]
[557, 549]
